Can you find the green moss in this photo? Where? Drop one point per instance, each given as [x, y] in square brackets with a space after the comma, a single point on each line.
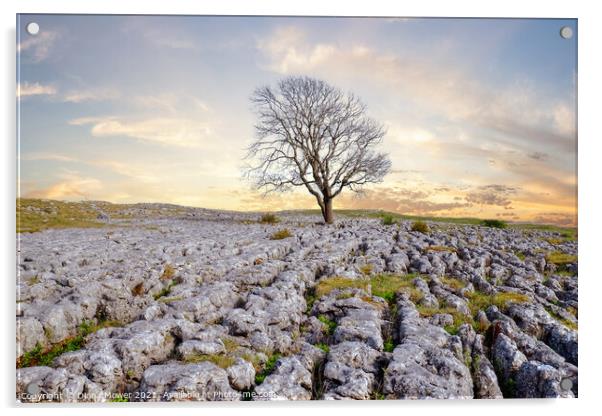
[281, 234]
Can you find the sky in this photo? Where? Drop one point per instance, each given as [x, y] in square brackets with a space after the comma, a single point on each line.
[480, 113]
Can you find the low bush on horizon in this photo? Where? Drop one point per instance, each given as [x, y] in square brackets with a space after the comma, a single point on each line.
[281, 234]
[388, 219]
[269, 218]
[494, 223]
[420, 226]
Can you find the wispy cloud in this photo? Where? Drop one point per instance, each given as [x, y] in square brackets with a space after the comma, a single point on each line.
[27, 89]
[161, 130]
[71, 185]
[37, 48]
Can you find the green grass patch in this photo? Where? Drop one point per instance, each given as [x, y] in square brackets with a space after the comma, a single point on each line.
[268, 368]
[569, 324]
[387, 285]
[35, 215]
[459, 318]
[281, 234]
[327, 285]
[480, 301]
[221, 360]
[560, 259]
[40, 356]
[455, 284]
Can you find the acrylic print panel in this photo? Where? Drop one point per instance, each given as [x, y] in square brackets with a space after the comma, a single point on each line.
[261, 208]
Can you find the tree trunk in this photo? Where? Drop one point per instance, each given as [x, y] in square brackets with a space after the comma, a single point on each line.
[328, 215]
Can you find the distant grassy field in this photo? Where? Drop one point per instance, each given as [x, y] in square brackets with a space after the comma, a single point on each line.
[567, 232]
[40, 214]
[37, 215]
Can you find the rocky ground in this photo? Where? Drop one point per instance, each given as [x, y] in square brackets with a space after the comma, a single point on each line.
[191, 304]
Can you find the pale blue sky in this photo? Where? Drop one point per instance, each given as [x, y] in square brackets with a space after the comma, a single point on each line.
[480, 113]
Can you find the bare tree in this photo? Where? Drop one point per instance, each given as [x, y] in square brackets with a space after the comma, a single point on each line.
[311, 134]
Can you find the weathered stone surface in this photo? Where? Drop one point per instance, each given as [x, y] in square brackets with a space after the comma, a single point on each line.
[184, 284]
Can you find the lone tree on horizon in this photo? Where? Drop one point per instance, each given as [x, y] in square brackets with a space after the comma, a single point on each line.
[311, 134]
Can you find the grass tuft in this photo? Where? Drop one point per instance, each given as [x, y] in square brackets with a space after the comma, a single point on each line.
[268, 368]
[281, 234]
[387, 285]
[421, 227]
[327, 285]
[269, 218]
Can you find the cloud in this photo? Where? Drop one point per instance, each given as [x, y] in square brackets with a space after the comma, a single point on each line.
[556, 218]
[497, 195]
[38, 47]
[95, 94]
[34, 156]
[71, 185]
[182, 132]
[27, 89]
[516, 112]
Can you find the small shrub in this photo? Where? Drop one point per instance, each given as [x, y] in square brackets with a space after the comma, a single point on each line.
[420, 226]
[388, 219]
[281, 234]
[269, 218]
[494, 223]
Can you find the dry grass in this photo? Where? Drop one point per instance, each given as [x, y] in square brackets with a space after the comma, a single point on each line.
[560, 259]
[421, 227]
[281, 234]
[220, 360]
[387, 285]
[168, 272]
[269, 218]
[455, 284]
[441, 248]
